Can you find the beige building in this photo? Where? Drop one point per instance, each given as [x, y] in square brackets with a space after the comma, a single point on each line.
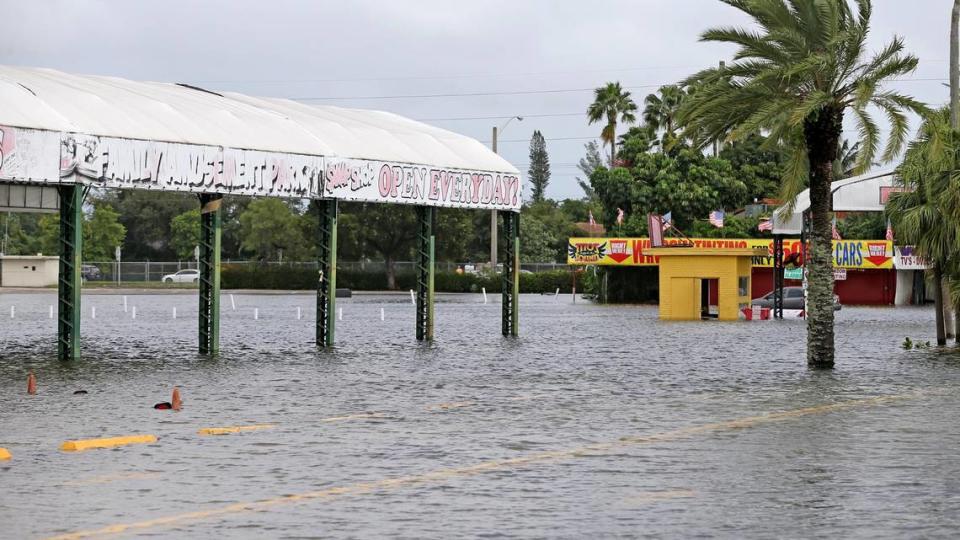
[28, 271]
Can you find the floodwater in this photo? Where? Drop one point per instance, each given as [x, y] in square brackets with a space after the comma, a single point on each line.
[599, 421]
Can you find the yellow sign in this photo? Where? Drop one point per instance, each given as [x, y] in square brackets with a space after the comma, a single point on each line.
[857, 254]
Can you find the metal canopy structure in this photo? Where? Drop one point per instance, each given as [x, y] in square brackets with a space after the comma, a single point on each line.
[69, 133]
[864, 193]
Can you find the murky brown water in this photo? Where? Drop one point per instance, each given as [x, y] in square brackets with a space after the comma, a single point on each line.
[599, 421]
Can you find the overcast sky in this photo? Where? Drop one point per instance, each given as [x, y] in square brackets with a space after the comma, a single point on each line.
[532, 58]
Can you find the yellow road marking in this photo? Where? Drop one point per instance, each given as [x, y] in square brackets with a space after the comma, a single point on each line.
[106, 479]
[451, 405]
[233, 429]
[482, 467]
[88, 444]
[5, 454]
[352, 417]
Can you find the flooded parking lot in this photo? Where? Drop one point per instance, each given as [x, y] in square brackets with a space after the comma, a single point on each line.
[599, 420]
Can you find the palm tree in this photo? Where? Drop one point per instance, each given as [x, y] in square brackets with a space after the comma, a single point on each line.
[795, 77]
[610, 103]
[846, 161]
[927, 213]
[660, 111]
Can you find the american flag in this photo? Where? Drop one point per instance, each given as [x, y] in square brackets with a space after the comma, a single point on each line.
[765, 225]
[590, 216]
[667, 220]
[835, 233]
[619, 216]
[716, 218]
[889, 231]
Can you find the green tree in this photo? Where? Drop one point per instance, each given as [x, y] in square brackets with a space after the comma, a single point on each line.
[759, 164]
[49, 234]
[102, 233]
[927, 214]
[147, 217]
[185, 233]
[637, 140]
[536, 242]
[610, 103]
[660, 110]
[688, 184]
[587, 164]
[388, 231]
[268, 227]
[795, 76]
[539, 170]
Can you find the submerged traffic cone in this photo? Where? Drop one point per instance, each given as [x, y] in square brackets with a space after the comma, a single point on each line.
[31, 384]
[175, 400]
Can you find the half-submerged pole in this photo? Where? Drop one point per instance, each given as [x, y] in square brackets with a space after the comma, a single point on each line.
[510, 320]
[69, 281]
[327, 273]
[210, 230]
[426, 250]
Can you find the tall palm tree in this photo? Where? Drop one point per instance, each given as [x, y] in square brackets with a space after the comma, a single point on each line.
[795, 76]
[660, 110]
[927, 213]
[610, 103]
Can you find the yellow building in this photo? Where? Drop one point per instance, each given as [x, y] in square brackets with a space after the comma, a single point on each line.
[685, 273]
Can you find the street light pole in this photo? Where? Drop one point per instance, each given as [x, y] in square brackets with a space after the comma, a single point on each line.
[493, 213]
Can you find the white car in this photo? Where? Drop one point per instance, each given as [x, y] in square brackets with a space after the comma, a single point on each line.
[183, 276]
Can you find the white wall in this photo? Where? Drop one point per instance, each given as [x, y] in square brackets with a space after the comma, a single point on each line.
[28, 271]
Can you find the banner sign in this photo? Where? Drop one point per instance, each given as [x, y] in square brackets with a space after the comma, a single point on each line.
[31, 155]
[855, 254]
[905, 259]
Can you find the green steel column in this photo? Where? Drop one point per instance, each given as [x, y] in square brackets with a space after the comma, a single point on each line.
[210, 226]
[69, 282]
[515, 242]
[327, 282]
[426, 246]
[510, 285]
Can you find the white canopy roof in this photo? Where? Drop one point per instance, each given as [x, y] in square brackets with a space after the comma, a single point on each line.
[864, 193]
[195, 121]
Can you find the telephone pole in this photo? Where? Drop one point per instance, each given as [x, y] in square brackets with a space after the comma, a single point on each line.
[493, 213]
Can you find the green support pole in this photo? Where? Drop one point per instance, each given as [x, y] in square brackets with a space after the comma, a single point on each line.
[510, 289]
[426, 246]
[210, 226]
[327, 282]
[69, 282]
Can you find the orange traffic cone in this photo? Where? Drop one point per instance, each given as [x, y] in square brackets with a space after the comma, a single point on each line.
[31, 384]
[175, 400]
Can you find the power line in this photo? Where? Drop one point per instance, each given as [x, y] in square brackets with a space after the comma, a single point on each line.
[515, 92]
[546, 115]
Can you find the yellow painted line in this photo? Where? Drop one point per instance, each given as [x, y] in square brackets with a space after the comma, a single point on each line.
[353, 417]
[482, 467]
[5, 454]
[88, 444]
[233, 429]
[451, 405]
[106, 479]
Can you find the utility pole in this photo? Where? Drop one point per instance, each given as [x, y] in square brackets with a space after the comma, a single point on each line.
[493, 213]
[955, 111]
[493, 220]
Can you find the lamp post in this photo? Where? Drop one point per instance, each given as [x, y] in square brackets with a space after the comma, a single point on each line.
[493, 213]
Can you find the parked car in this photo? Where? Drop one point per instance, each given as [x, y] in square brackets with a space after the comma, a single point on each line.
[792, 299]
[90, 272]
[183, 276]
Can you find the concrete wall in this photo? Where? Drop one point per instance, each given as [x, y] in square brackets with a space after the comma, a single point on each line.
[17, 271]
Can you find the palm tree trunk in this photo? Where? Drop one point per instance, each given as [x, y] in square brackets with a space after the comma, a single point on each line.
[938, 302]
[613, 145]
[822, 135]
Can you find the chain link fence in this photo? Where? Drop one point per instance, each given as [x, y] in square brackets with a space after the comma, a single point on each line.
[186, 271]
